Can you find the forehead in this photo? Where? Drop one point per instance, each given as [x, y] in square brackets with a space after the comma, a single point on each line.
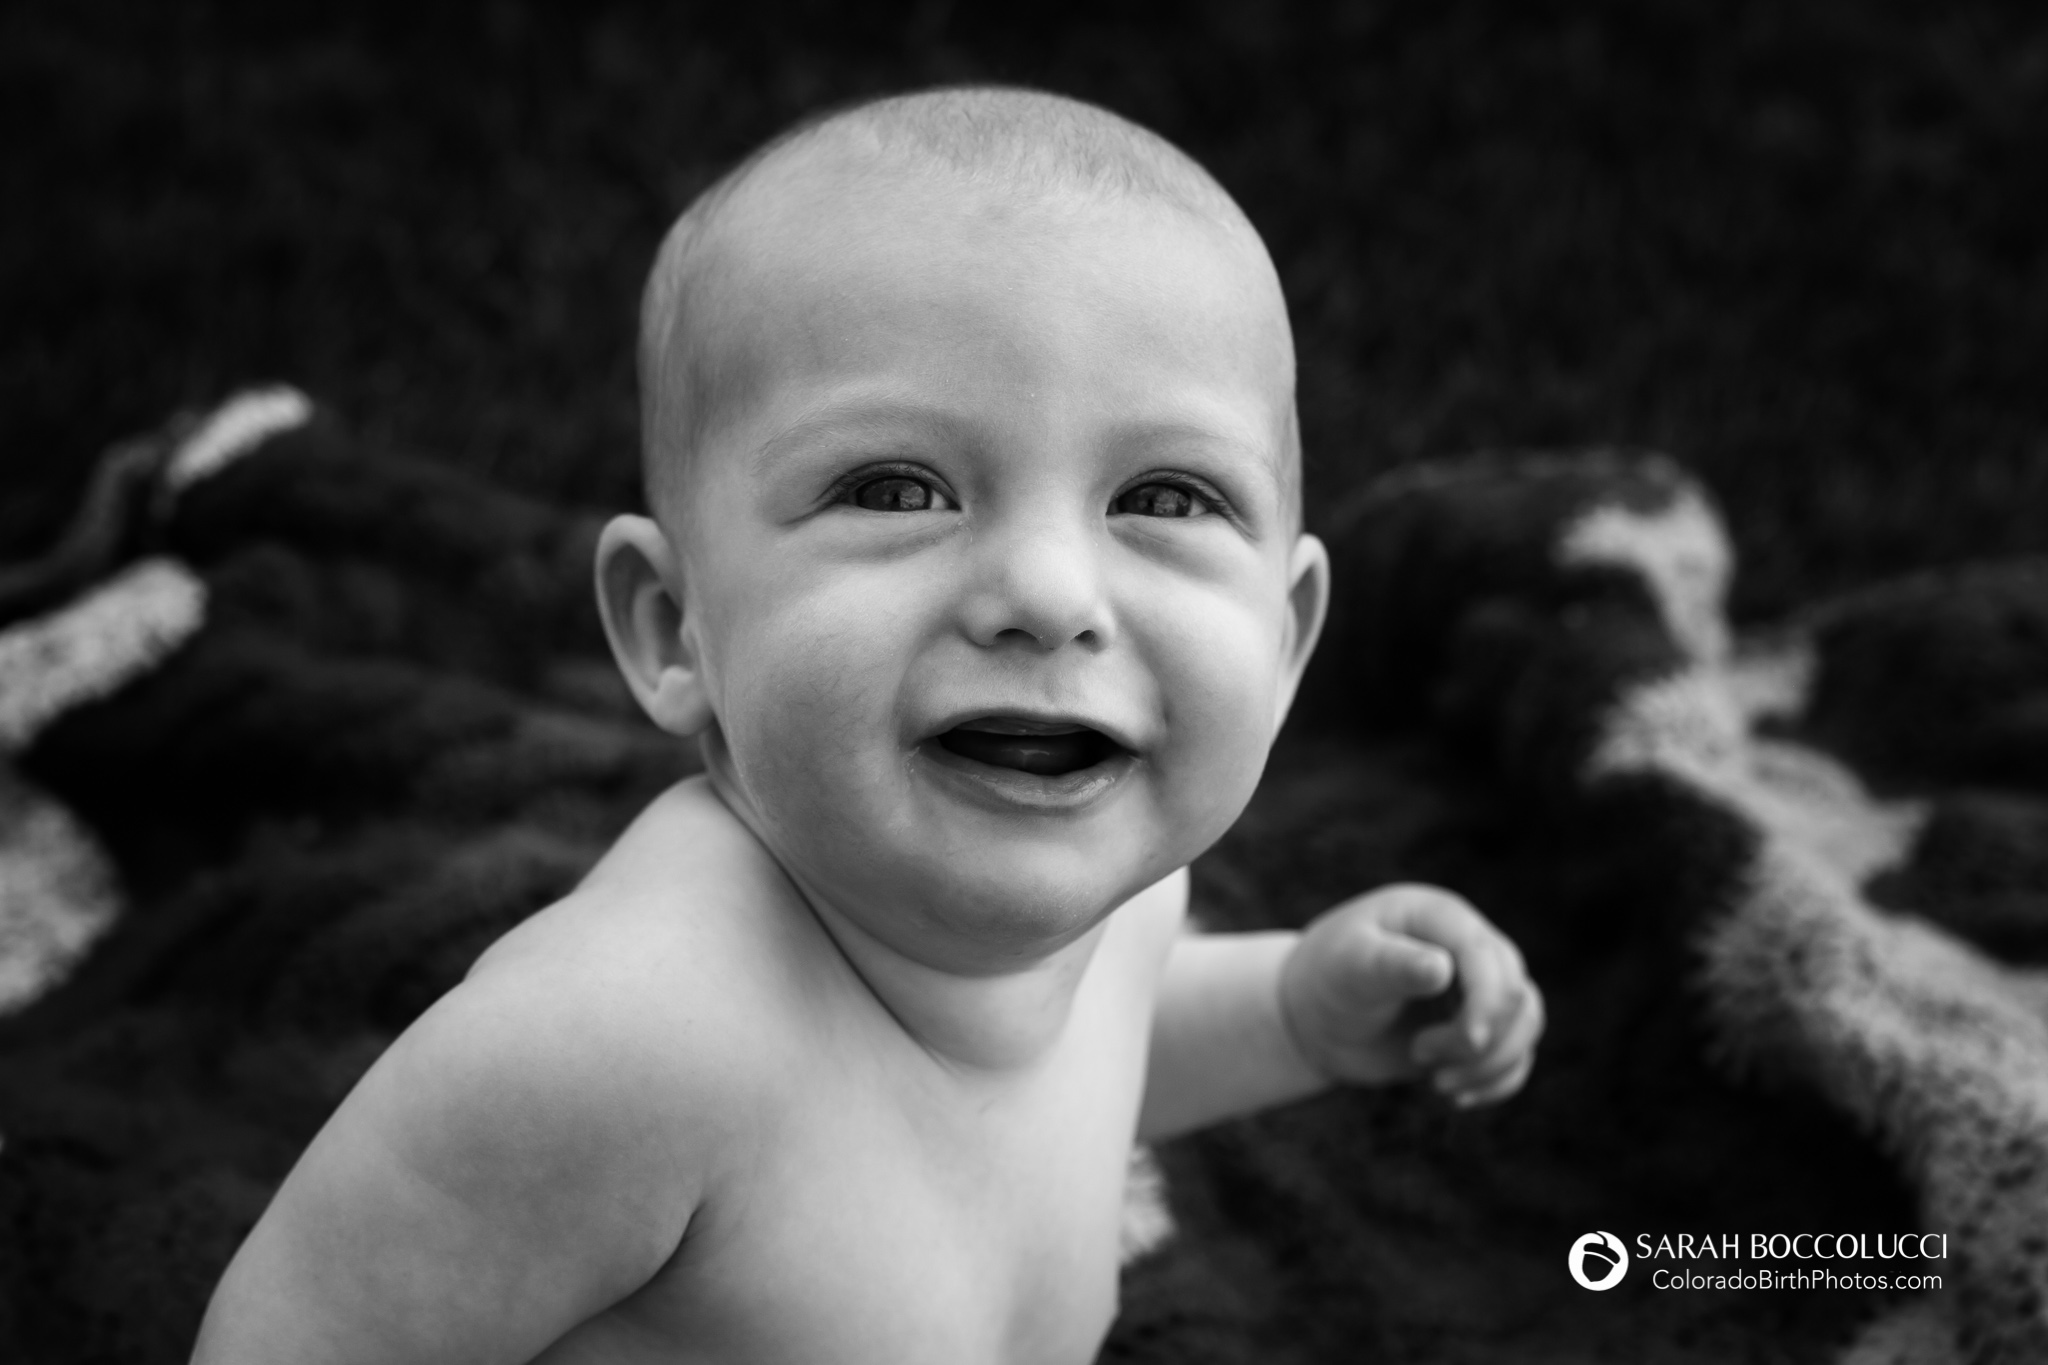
[834, 269]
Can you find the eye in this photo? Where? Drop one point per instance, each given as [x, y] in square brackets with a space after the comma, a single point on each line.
[892, 491]
[894, 494]
[1161, 500]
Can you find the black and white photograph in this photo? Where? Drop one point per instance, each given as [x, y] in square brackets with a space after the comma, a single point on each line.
[927, 683]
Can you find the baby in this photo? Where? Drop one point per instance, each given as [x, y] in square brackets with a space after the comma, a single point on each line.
[976, 572]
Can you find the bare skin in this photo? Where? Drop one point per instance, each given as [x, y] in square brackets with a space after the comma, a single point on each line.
[985, 605]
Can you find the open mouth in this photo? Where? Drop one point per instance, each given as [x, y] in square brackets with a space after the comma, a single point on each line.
[1041, 748]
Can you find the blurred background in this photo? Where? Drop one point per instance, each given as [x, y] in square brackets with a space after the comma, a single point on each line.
[1798, 245]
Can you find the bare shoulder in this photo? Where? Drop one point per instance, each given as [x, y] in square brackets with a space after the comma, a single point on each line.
[683, 889]
[624, 1034]
[538, 1145]
[657, 990]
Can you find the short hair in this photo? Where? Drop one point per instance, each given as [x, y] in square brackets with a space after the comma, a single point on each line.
[1001, 137]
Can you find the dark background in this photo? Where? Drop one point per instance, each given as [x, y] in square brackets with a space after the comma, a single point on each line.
[1800, 246]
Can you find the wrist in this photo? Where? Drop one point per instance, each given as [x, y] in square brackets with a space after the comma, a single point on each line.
[1299, 1040]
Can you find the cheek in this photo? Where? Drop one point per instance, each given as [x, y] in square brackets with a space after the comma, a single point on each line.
[1219, 667]
[806, 681]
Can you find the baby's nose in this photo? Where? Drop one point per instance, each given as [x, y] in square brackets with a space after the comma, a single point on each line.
[1040, 585]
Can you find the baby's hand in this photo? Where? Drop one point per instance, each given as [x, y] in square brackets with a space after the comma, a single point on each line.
[1362, 973]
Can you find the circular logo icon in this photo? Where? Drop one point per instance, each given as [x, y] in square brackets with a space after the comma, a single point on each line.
[1598, 1260]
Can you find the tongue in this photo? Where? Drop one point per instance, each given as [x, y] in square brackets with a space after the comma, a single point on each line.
[1043, 755]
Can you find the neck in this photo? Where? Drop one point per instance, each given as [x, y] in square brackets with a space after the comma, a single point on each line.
[998, 1021]
[975, 1017]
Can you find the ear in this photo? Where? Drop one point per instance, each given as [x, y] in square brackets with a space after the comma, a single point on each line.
[1308, 601]
[640, 597]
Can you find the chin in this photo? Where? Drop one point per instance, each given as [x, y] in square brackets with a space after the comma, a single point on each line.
[1022, 902]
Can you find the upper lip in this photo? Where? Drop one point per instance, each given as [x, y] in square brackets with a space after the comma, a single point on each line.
[1030, 721]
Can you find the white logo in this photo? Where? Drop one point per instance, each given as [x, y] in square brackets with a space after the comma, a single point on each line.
[1606, 1254]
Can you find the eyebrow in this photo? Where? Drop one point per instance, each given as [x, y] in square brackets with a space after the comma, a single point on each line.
[1175, 432]
[864, 414]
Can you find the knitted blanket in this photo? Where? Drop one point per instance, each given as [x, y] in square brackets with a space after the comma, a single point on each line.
[290, 729]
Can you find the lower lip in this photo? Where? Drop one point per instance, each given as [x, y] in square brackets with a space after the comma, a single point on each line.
[1008, 789]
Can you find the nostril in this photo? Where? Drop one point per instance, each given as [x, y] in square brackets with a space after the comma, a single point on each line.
[1019, 635]
[1052, 605]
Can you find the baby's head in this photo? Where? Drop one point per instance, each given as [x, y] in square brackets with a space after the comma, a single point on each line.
[975, 558]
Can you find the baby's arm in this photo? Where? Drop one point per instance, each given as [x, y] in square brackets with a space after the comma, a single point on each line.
[1244, 1021]
[502, 1173]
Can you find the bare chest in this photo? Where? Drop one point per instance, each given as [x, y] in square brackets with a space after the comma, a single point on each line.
[875, 1227]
